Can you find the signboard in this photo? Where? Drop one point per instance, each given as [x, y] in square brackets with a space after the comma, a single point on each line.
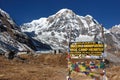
[82, 49]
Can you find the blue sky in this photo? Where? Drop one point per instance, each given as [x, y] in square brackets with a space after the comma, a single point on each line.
[106, 12]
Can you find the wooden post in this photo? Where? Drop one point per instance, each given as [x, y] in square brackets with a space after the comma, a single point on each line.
[69, 40]
[103, 57]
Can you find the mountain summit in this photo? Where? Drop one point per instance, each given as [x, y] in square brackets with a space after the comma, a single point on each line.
[55, 29]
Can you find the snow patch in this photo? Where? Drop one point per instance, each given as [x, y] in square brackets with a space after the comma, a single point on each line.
[84, 38]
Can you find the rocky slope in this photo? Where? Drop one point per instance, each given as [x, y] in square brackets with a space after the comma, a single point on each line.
[113, 43]
[11, 37]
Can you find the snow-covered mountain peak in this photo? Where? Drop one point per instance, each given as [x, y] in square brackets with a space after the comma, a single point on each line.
[6, 15]
[115, 29]
[89, 16]
[64, 11]
[67, 13]
[55, 29]
[61, 20]
[35, 22]
[117, 26]
[3, 13]
[38, 21]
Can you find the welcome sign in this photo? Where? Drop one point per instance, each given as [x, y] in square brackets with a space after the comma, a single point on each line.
[82, 49]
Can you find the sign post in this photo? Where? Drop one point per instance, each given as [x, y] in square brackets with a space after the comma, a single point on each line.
[69, 40]
[80, 53]
[103, 56]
